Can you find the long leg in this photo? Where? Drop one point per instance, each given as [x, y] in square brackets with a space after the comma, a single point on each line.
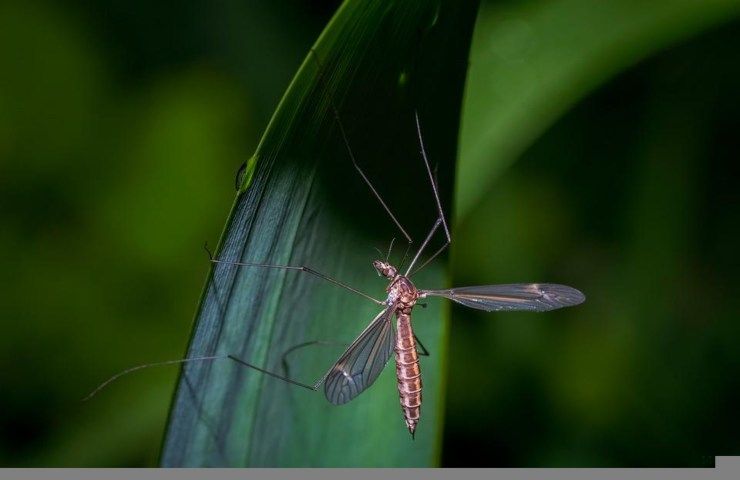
[423, 245]
[284, 359]
[424, 352]
[147, 365]
[299, 268]
[352, 156]
[421, 267]
[405, 255]
[379, 328]
[435, 190]
[313, 387]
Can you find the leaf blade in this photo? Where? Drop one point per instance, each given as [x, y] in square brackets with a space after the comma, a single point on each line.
[295, 211]
[532, 61]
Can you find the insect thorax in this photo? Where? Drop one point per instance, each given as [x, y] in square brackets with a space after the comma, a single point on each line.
[402, 290]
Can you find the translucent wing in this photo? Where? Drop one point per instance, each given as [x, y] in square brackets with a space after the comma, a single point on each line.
[362, 362]
[534, 297]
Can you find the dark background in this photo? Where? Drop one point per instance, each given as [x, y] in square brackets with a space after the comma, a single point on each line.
[122, 125]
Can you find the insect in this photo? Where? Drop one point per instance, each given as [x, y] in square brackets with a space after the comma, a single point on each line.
[363, 361]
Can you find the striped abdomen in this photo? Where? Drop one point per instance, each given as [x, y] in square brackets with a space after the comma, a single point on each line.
[408, 372]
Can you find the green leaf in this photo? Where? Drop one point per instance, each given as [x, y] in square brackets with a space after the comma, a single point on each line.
[302, 203]
[531, 61]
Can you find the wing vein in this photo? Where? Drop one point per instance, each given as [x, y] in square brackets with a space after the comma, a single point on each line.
[361, 364]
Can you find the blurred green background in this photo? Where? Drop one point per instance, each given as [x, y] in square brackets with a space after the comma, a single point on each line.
[599, 149]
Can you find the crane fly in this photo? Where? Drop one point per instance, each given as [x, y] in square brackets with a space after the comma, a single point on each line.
[364, 360]
[366, 357]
